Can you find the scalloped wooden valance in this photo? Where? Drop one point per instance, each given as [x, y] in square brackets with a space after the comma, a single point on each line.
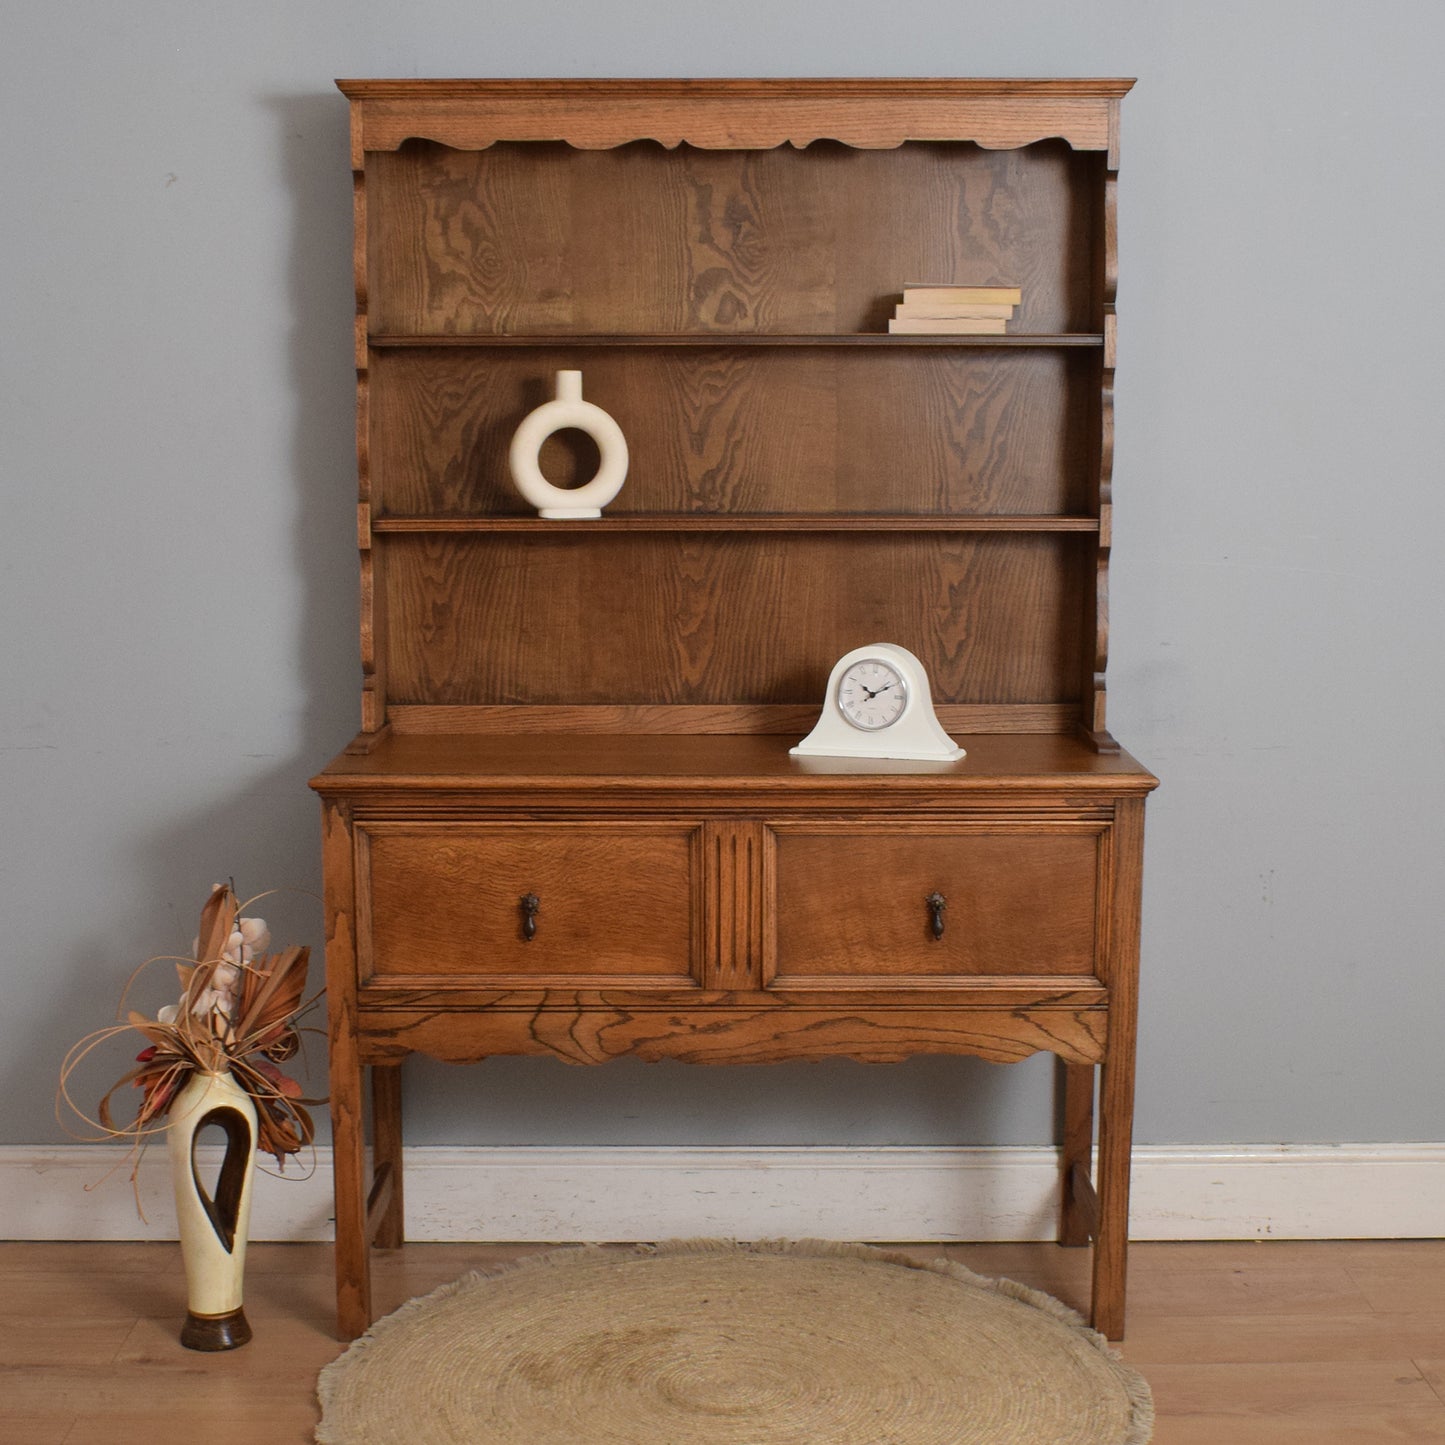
[727, 115]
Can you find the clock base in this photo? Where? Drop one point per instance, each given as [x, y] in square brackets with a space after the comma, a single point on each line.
[910, 755]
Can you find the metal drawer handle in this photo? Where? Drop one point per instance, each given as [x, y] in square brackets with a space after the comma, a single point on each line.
[530, 904]
[936, 904]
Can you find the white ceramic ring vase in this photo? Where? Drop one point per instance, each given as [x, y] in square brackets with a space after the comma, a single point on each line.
[568, 411]
[213, 1229]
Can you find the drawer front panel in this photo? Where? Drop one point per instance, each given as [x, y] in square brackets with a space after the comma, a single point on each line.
[615, 903]
[852, 903]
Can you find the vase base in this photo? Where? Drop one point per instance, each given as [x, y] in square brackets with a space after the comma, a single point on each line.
[216, 1332]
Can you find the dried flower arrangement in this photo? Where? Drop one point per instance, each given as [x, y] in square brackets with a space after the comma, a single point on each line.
[238, 1013]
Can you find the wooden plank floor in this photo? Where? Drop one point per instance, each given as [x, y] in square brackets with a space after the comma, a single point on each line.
[1325, 1343]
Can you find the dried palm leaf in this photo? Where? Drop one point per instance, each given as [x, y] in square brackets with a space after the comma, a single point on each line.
[271, 991]
[218, 921]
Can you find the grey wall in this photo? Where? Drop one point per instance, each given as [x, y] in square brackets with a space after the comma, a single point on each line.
[179, 589]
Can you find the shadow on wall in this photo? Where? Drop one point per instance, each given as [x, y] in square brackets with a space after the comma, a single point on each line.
[265, 834]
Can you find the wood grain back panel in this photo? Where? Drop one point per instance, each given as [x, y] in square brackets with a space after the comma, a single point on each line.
[631, 618]
[538, 237]
[810, 430]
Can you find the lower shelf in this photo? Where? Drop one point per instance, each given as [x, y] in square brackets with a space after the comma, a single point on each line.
[481, 341]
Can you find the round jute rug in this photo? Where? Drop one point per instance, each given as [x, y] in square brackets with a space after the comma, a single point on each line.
[707, 1343]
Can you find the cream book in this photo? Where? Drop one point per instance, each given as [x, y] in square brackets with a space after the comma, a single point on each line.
[944, 308]
[985, 295]
[947, 326]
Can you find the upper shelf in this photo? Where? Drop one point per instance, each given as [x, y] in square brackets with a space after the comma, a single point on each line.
[731, 339]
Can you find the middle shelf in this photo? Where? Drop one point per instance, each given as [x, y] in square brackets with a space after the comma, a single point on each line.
[704, 522]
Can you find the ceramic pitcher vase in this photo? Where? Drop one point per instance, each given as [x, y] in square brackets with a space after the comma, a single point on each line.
[213, 1228]
[568, 412]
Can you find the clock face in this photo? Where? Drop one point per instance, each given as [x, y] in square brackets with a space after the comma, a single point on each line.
[872, 694]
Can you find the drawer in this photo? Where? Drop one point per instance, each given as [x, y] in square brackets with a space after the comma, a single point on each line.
[852, 903]
[444, 901]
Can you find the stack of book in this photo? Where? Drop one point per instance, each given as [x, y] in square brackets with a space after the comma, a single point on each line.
[930, 310]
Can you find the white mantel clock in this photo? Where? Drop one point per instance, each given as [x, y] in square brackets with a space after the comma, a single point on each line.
[879, 706]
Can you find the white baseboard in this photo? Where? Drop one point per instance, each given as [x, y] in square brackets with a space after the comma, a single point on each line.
[1352, 1191]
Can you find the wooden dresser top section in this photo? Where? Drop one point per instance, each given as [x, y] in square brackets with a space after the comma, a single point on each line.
[801, 481]
[734, 114]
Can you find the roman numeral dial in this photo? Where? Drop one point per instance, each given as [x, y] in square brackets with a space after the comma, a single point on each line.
[872, 694]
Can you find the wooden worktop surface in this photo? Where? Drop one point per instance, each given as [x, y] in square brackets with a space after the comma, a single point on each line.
[666, 762]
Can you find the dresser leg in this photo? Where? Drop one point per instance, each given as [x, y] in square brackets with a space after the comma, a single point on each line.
[348, 1142]
[1116, 1133]
[1116, 1085]
[1078, 1210]
[386, 1151]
